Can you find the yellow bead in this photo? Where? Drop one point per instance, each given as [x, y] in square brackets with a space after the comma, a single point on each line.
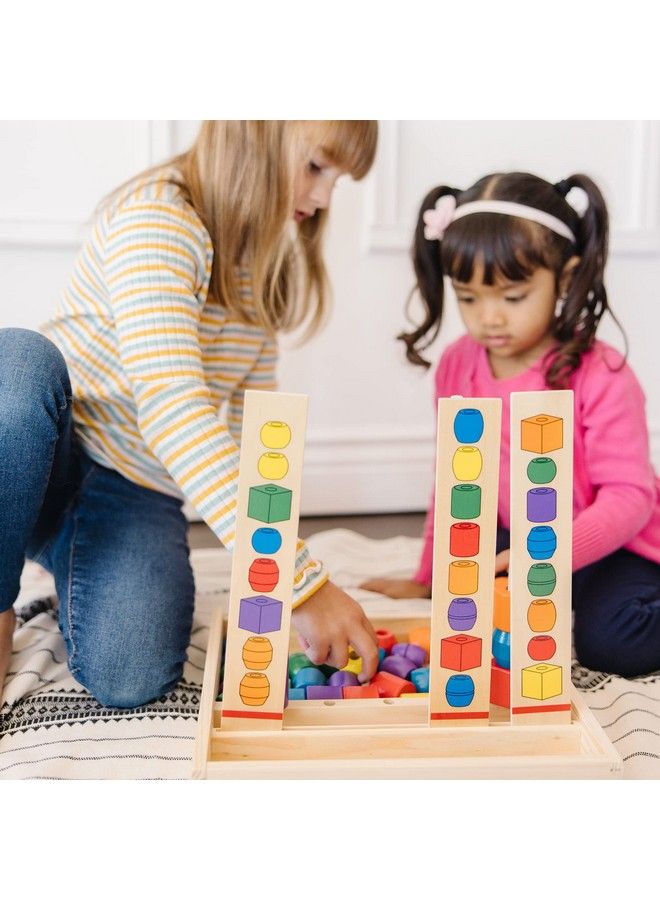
[354, 663]
[467, 464]
[541, 682]
[273, 466]
[275, 435]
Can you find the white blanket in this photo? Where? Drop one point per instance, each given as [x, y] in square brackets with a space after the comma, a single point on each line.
[51, 728]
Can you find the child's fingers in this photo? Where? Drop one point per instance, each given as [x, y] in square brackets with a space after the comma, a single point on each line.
[363, 641]
[318, 651]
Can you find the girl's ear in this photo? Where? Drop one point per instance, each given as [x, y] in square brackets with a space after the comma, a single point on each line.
[567, 274]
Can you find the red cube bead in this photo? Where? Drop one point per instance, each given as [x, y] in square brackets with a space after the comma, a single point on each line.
[460, 652]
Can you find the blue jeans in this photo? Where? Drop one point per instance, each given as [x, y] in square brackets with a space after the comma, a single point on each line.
[118, 551]
[616, 606]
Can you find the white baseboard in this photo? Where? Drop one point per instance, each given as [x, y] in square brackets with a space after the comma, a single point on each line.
[349, 471]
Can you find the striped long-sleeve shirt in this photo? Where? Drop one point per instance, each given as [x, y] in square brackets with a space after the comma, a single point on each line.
[158, 369]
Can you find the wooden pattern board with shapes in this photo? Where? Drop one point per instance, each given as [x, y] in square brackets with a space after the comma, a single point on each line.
[261, 590]
[540, 568]
[467, 477]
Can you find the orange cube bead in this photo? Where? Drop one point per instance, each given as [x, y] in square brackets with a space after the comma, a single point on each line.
[460, 652]
[542, 434]
[359, 691]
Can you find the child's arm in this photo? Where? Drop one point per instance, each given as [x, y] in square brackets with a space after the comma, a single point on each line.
[616, 461]
[155, 264]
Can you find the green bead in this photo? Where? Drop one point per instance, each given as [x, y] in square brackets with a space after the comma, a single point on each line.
[466, 501]
[542, 470]
[541, 579]
[269, 503]
[298, 661]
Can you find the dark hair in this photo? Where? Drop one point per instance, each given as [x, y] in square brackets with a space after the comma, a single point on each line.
[512, 248]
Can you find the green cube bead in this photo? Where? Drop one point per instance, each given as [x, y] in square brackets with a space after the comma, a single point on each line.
[269, 503]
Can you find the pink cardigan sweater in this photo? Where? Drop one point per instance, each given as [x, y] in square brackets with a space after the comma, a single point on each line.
[616, 499]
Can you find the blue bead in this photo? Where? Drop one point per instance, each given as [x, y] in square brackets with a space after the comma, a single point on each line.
[309, 675]
[420, 678]
[502, 648]
[459, 690]
[266, 540]
[381, 654]
[541, 542]
[468, 426]
[297, 693]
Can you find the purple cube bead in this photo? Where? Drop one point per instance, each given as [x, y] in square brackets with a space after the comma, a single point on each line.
[260, 614]
[397, 665]
[413, 652]
[340, 679]
[324, 692]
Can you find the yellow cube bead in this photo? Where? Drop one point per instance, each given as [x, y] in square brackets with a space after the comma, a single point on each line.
[542, 434]
[541, 682]
[354, 663]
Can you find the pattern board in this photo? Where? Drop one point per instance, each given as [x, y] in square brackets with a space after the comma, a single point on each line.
[268, 506]
[467, 477]
[540, 570]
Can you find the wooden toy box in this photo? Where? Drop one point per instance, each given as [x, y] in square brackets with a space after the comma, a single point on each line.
[390, 738]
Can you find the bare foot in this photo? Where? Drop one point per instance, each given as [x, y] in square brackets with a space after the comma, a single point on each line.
[7, 625]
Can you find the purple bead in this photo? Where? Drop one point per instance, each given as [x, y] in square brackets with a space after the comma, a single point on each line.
[260, 614]
[339, 679]
[541, 504]
[462, 614]
[324, 692]
[413, 652]
[397, 665]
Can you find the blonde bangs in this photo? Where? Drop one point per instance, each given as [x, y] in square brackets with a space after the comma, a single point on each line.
[349, 143]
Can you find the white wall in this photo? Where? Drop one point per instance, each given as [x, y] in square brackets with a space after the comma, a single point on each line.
[371, 426]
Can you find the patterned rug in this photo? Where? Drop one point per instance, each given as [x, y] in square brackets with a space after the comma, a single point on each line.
[51, 728]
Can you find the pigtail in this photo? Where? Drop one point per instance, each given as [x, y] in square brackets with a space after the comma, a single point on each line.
[430, 285]
[586, 299]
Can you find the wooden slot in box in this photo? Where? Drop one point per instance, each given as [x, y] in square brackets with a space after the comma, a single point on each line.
[390, 738]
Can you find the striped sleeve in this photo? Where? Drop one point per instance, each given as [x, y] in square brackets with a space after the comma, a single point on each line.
[309, 574]
[156, 259]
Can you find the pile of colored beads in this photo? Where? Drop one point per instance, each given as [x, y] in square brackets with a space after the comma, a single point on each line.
[402, 669]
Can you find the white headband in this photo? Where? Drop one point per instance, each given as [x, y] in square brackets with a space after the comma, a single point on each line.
[438, 220]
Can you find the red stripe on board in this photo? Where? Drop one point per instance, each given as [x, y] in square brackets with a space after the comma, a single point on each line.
[242, 714]
[560, 707]
[467, 715]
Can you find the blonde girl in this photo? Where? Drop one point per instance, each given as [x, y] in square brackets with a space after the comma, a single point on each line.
[130, 400]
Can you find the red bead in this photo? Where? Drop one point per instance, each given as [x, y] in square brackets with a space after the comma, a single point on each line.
[385, 639]
[464, 539]
[263, 575]
[542, 647]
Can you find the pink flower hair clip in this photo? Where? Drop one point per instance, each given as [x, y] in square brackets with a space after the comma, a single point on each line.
[437, 220]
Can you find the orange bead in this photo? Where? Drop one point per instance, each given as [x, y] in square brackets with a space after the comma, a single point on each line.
[421, 636]
[502, 604]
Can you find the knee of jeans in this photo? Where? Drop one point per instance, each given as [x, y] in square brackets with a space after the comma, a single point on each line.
[31, 362]
[115, 690]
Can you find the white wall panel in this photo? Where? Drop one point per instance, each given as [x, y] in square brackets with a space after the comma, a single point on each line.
[371, 428]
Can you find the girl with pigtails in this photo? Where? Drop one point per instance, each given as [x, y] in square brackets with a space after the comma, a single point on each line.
[526, 261]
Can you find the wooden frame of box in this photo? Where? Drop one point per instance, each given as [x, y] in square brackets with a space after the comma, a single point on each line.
[391, 738]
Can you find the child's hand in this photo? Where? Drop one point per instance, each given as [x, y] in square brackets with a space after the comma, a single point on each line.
[331, 620]
[397, 588]
[502, 562]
